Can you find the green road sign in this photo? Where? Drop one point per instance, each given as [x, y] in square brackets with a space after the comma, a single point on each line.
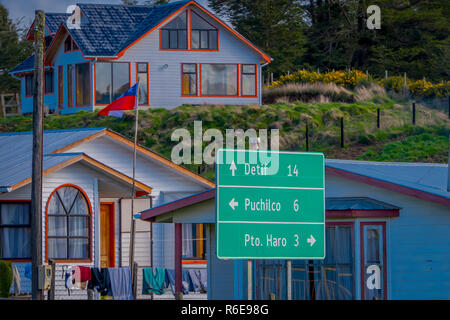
[270, 204]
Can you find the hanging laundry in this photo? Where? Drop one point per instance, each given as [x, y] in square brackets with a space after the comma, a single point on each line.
[153, 282]
[100, 281]
[202, 274]
[170, 280]
[68, 278]
[81, 276]
[120, 279]
[16, 280]
[195, 278]
[28, 271]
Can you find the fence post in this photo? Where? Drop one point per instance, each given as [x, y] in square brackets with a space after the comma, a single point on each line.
[51, 292]
[307, 136]
[414, 113]
[378, 118]
[134, 280]
[342, 132]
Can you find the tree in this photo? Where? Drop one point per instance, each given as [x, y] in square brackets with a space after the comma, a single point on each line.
[14, 49]
[155, 2]
[129, 2]
[275, 26]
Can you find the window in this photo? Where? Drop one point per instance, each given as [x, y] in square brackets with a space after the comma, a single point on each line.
[29, 85]
[142, 77]
[49, 83]
[69, 85]
[330, 279]
[60, 87]
[68, 225]
[203, 35]
[15, 231]
[82, 84]
[70, 45]
[249, 80]
[174, 34]
[194, 241]
[48, 41]
[373, 256]
[111, 81]
[189, 79]
[219, 79]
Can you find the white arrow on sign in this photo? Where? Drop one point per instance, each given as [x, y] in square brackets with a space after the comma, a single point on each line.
[311, 240]
[233, 204]
[233, 168]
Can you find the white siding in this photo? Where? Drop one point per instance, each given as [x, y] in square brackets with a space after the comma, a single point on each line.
[165, 84]
[418, 250]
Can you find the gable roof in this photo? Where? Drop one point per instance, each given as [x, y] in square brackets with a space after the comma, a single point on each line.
[109, 30]
[25, 65]
[19, 174]
[427, 181]
[16, 150]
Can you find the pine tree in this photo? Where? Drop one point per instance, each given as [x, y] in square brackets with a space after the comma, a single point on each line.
[14, 49]
[275, 26]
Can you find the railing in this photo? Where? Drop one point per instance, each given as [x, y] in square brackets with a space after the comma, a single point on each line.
[10, 102]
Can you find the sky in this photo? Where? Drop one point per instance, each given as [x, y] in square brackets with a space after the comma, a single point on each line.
[25, 8]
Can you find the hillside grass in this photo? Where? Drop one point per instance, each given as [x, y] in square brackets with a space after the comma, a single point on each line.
[396, 140]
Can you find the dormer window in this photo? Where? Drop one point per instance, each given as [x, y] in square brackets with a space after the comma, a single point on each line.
[204, 35]
[174, 34]
[70, 45]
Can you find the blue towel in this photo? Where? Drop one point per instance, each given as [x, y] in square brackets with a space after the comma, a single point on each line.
[120, 279]
[186, 281]
[28, 271]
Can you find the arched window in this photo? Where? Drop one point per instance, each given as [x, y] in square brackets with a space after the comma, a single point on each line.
[68, 224]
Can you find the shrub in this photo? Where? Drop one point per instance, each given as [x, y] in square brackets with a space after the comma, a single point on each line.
[308, 93]
[6, 277]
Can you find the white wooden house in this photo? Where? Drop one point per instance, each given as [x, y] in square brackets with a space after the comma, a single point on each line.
[86, 210]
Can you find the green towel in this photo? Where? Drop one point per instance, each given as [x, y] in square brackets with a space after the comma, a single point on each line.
[153, 282]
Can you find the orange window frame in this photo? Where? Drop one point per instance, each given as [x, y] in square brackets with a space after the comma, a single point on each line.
[94, 79]
[213, 96]
[148, 81]
[76, 85]
[187, 33]
[190, 32]
[196, 81]
[242, 81]
[90, 253]
[112, 227]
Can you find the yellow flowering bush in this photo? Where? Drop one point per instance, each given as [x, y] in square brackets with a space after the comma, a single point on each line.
[351, 78]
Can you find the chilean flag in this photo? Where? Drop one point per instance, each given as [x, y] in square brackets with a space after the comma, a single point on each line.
[127, 101]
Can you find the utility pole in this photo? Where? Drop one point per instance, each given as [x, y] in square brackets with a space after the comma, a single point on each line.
[36, 184]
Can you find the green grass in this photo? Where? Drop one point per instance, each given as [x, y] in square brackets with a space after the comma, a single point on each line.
[426, 141]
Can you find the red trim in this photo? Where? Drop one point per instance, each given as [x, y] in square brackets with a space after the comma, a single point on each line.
[112, 229]
[190, 31]
[195, 262]
[172, 206]
[237, 80]
[242, 80]
[363, 213]
[70, 86]
[60, 86]
[90, 227]
[76, 83]
[148, 82]
[196, 81]
[387, 185]
[362, 244]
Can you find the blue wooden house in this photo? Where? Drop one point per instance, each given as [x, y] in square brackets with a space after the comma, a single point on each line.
[387, 237]
[180, 52]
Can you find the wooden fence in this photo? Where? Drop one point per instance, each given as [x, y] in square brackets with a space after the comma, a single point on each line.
[9, 104]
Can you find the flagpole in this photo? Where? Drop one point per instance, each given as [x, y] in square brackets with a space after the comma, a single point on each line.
[133, 194]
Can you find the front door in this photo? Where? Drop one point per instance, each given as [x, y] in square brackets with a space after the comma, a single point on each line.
[106, 235]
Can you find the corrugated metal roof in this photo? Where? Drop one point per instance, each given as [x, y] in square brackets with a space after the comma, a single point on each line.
[16, 151]
[21, 171]
[359, 203]
[426, 177]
